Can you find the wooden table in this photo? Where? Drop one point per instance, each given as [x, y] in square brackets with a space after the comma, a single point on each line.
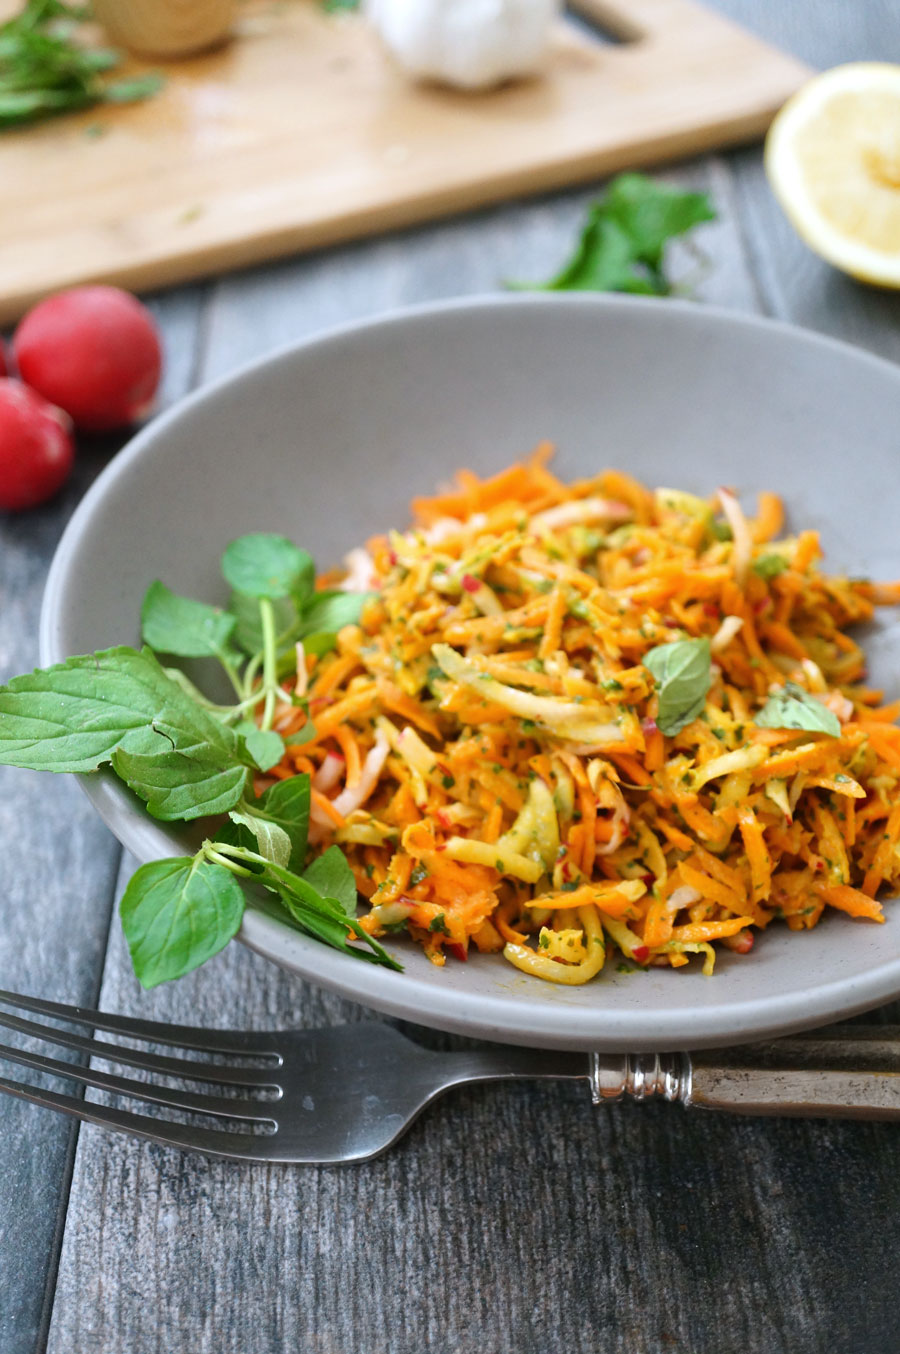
[511, 1220]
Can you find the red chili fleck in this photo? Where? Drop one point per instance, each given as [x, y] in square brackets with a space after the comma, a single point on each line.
[671, 623]
[761, 605]
[458, 951]
[640, 953]
[392, 556]
[649, 725]
[647, 879]
[470, 584]
[710, 609]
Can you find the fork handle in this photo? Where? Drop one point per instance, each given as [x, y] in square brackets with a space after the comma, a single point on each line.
[854, 1074]
[797, 1092]
[815, 1090]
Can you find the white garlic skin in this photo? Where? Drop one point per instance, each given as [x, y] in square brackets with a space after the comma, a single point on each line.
[471, 44]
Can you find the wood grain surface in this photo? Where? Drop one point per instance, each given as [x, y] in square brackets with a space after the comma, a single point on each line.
[512, 1219]
[302, 133]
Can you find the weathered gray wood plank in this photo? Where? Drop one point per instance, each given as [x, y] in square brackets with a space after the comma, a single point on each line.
[58, 875]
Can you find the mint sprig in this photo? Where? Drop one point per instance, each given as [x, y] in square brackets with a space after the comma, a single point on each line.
[682, 671]
[622, 245]
[790, 707]
[45, 69]
[188, 757]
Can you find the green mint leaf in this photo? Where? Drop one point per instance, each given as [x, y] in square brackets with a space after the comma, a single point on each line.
[236, 834]
[650, 214]
[270, 840]
[602, 260]
[248, 633]
[302, 735]
[72, 717]
[622, 242]
[328, 612]
[131, 91]
[178, 913]
[794, 708]
[683, 674]
[177, 785]
[263, 565]
[331, 876]
[321, 642]
[178, 625]
[265, 746]
[324, 917]
[286, 803]
[769, 566]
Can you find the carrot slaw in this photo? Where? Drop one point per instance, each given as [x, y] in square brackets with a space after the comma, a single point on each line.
[484, 745]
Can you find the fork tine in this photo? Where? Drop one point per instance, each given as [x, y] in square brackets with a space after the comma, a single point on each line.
[132, 1057]
[157, 1032]
[217, 1143]
[142, 1090]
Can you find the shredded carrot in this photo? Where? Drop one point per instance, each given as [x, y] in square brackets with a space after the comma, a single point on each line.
[507, 762]
[854, 901]
[350, 748]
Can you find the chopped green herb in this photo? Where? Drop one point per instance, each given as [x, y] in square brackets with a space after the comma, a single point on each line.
[44, 70]
[793, 708]
[623, 242]
[769, 566]
[683, 675]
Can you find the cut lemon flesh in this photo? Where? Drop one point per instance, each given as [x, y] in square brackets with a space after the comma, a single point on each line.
[833, 160]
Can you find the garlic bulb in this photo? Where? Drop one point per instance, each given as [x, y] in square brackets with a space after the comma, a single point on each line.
[472, 44]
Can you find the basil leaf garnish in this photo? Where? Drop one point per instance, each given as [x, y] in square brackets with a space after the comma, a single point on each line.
[683, 674]
[270, 840]
[181, 626]
[286, 803]
[178, 913]
[178, 785]
[333, 878]
[72, 716]
[330, 611]
[263, 565]
[248, 633]
[794, 708]
[265, 746]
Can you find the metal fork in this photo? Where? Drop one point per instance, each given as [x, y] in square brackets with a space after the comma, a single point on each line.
[347, 1093]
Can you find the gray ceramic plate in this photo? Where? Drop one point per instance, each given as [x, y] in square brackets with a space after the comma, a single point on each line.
[326, 442]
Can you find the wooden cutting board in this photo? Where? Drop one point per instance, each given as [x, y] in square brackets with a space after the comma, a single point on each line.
[300, 133]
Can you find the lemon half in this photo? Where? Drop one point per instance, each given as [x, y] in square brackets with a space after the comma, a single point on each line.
[833, 160]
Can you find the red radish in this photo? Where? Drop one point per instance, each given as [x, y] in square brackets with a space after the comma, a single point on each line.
[94, 352]
[36, 449]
